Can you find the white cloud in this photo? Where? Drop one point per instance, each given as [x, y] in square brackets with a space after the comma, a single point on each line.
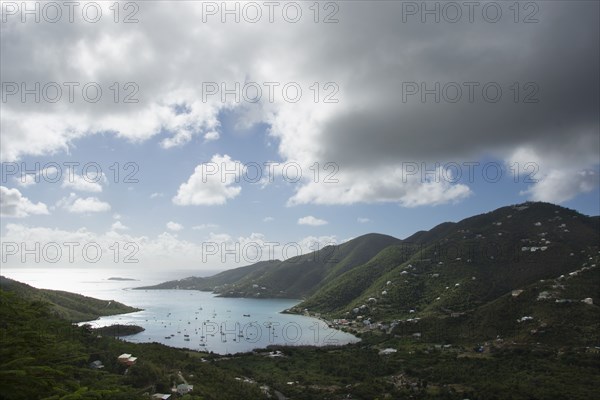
[314, 243]
[312, 221]
[14, 204]
[79, 205]
[433, 193]
[560, 186]
[83, 183]
[212, 183]
[204, 226]
[550, 177]
[211, 136]
[363, 220]
[156, 194]
[382, 185]
[268, 219]
[217, 251]
[174, 226]
[28, 179]
[118, 226]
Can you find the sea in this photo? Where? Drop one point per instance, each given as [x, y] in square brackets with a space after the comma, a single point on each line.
[189, 319]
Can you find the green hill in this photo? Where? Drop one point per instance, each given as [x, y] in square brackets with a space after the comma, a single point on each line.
[295, 277]
[460, 266]
[70, 306]
[456, 275]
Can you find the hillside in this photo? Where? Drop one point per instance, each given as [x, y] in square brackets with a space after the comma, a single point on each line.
[70, 306]
[458, 267]
[296, 277]
[45, 357]
[455, 275]
[528, 273]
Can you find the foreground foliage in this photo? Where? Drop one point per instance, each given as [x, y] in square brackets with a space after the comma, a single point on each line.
[43, 357]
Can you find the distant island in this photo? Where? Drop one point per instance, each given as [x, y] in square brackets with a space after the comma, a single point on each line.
[116, 278]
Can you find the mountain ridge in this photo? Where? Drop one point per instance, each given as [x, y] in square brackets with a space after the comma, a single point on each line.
[295, 277]
[455, 268]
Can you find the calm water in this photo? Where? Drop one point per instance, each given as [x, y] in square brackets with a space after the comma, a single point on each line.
[191, 319]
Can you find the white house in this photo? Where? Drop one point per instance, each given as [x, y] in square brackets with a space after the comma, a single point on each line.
[184, 388]
[126, 359]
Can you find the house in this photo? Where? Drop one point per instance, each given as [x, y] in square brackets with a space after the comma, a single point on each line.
[127, 359]
[96, 364]
[161, 396]
[387, 351]
[184, 388]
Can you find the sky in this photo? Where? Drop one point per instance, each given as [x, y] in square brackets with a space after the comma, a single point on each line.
[189, 135]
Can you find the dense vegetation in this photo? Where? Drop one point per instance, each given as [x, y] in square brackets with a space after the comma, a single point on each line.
[118, 330]
[457, 267]
[43, 357]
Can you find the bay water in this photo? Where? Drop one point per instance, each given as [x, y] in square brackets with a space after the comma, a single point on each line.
[189, 318]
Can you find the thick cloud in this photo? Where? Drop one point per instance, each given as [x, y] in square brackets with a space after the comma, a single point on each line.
[372, 56]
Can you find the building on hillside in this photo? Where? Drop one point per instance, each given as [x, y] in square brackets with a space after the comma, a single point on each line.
[161, 396]
[127, 359]
[184, 388]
